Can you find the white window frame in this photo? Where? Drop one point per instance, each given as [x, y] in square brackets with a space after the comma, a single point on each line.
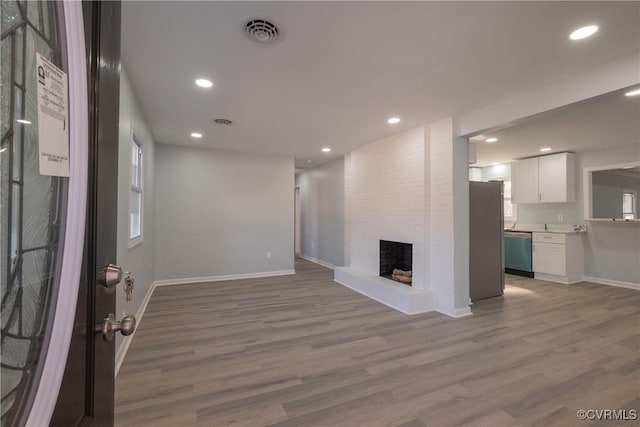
[139, 189]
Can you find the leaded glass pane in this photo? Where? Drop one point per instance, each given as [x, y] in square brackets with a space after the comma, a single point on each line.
[10, 14]
[33, 13]
[5, 79]
[18, 130]
[29, 203]
[18, 56]
[14, 246]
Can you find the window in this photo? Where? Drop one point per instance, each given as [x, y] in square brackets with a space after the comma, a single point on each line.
[135, 200]
[509, 208]
[629, 205]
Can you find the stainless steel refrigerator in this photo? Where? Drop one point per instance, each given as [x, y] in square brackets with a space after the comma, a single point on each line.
[486, 229]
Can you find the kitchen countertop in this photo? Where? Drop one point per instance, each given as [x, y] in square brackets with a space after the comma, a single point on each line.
[551, 228]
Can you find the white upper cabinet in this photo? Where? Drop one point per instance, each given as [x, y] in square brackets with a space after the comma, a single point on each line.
[545, 179]
[557, 178]
[524, 181]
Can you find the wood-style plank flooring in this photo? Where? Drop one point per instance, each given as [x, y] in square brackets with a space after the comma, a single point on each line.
[302, 350]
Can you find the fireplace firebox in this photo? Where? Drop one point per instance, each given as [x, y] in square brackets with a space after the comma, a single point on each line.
[396, 256]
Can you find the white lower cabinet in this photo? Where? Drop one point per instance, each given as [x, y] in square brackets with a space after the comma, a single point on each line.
[558, 257]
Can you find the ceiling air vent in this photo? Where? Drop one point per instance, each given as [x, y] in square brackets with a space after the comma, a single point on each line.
[225, 122]
[261, 31]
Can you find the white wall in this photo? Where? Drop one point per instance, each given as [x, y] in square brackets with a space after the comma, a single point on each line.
[385, 194]
[496, 172]
[220, 212]
[322, 212]
[608, 77]
[448, 218]
[140, 259]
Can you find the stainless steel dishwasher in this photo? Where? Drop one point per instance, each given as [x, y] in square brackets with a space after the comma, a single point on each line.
[517, 253]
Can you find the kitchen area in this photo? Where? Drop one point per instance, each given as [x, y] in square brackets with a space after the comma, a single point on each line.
[569, 182]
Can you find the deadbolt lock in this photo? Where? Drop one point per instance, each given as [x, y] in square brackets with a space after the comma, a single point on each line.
[109, 275]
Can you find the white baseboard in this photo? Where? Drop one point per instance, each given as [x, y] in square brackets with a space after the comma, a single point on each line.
[618, 283]
[456, 313]
[126, 342]
[205, 279]
[317, 261]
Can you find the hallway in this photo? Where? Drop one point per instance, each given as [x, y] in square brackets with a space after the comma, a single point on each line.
[301, 350]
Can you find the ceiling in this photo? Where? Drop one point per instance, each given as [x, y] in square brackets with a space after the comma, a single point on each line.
[604, 121]
[341, 69]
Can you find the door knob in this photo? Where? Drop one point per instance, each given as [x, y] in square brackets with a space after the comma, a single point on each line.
[110, 326]
[109, 275]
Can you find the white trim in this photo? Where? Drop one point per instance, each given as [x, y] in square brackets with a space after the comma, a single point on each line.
[317, 261]
[126, 342]
[136, 241]
[456, 313]
[618, 283]
[205, 279]
[135, 139]
[65, 308]
[555, 278]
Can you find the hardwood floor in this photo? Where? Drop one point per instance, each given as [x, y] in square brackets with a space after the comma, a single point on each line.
[302, 350]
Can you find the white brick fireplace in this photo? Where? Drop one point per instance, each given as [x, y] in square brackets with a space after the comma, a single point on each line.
[385, 200]
[406, 188]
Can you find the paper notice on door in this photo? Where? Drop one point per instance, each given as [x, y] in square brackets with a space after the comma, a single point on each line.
[53, 118]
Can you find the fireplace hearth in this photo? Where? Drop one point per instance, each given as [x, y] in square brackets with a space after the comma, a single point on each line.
[396, 256]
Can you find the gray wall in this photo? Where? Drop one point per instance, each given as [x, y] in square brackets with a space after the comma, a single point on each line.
[220, 212]
[140, 259]
[322, 208]
[607, 193]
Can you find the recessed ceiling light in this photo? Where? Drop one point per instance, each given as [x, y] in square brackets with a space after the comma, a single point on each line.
[196, 135]
[23, 121]
[628, 167]
[633, 93]
[490, 140]
[3, 150]
[393, 120]
[204, 83]
[583, 32]
[495, 164]
[326, 149]
[545, 149]
[309, 161]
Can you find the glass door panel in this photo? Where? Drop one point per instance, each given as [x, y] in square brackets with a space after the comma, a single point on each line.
[31, 205]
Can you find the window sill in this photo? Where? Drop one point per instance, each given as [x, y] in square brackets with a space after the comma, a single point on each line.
[136, 241]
